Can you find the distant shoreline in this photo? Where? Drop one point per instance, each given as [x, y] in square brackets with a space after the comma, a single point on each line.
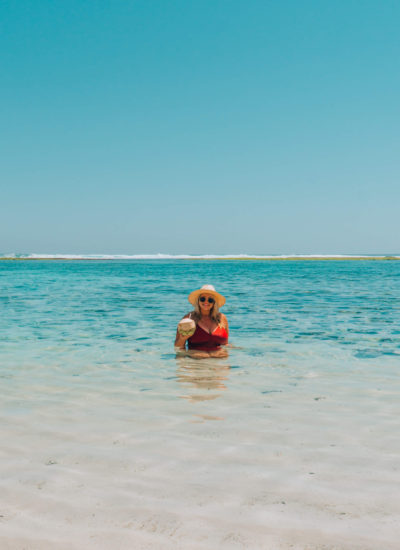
[216, 258]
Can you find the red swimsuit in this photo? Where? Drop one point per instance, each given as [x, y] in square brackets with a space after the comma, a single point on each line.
[203, 340]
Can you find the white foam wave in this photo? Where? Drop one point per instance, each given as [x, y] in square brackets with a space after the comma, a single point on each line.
[192, 256]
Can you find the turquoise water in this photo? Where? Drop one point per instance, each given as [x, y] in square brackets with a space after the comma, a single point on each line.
[113, 311]
[304, 411]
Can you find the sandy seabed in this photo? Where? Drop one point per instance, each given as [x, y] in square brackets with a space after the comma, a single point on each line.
[192, 461]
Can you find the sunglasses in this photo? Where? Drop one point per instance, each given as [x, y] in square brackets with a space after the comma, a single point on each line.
[203, 299]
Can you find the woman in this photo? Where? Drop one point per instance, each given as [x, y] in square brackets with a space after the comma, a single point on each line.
[210, 333]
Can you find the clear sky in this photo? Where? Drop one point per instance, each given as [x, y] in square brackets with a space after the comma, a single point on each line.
[207, 126]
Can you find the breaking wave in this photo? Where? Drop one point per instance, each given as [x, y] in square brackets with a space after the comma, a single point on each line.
[193, 256]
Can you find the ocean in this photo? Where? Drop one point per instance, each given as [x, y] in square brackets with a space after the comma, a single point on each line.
[111, 441]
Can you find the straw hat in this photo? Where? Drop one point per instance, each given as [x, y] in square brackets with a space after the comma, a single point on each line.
[206, 289]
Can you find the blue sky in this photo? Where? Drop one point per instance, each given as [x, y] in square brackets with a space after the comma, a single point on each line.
[258, 127]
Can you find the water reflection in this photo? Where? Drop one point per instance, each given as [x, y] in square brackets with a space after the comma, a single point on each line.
[202, 379]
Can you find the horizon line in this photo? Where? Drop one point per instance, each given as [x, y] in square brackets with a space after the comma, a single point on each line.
[162, 256]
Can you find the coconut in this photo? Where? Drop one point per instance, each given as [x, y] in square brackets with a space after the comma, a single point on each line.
[186, 327]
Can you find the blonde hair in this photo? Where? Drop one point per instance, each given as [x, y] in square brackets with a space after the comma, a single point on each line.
[214, 313]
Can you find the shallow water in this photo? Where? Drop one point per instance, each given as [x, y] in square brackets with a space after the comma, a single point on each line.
[110, 439]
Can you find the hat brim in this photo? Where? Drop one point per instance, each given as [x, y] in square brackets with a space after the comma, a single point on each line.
[194, 296]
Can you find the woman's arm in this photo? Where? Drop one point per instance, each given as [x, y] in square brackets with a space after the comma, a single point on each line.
[180, 340]
[224, 323]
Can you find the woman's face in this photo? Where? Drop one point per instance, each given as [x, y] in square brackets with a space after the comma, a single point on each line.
[206, 303]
